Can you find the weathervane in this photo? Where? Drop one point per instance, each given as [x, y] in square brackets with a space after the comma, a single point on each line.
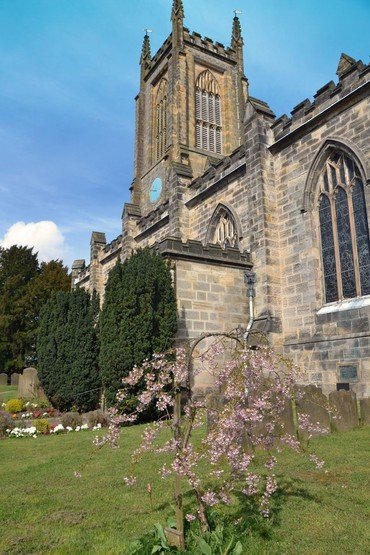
[147, 31]
[237, 12]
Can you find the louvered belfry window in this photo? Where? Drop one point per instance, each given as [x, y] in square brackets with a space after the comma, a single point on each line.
[161, 120]
[208, 122]
[345, 243]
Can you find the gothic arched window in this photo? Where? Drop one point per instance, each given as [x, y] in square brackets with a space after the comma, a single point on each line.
[208, 123]
[161, 120]
[222, 228]
[345, 242]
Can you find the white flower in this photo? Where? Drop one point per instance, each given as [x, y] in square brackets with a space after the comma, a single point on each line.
[58, 428]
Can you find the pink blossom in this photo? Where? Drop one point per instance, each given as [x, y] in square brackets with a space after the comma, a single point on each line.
[209, 498]
[318, 463]
[257, 387]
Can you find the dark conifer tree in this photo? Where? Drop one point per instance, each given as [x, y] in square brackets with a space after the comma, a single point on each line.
[138, 317]
[67, 350]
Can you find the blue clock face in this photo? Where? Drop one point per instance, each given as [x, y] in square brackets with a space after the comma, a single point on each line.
[155, 190]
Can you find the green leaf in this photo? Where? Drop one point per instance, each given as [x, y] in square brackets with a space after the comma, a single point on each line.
[171, 522]
[156, 548]
[160, 533]
[238, 549]
[204, 547]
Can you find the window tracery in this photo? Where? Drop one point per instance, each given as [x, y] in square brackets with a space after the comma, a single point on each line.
[224, 231]
[208, 124]
[161, 120]
[345, 243]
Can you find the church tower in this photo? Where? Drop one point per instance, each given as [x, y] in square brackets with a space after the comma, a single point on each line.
[189, 110]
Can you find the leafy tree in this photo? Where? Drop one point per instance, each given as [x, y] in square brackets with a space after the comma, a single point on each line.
[67, 350]
[24, 287]
[18, 266]
[138, 317]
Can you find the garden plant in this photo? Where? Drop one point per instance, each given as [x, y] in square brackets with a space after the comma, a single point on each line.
[247, 425]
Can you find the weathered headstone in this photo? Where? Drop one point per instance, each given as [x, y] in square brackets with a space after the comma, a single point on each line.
[29, 386]
[345, 404]
[314, 403]
[287, 425]
[14, 379]
[3, 379]
[365, 410]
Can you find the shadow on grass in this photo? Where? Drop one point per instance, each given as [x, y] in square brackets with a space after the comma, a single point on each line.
[246, 519]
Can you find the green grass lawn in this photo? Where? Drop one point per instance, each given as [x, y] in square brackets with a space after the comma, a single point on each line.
[44, 509]
[8, 392]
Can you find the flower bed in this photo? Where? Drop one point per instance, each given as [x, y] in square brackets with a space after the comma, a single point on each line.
[33, 419]
[20, 409]
[32, 431]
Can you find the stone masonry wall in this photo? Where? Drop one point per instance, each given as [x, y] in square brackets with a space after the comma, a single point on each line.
[210, 298]
[320, 337]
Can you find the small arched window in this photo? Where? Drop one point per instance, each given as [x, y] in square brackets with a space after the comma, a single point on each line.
[208, 123]
[161, 120]
[222, 228]
[345, 243]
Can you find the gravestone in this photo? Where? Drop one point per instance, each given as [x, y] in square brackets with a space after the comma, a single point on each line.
[29, 386]
[365, 410]
[287, 425]
[346, 405]
[313, 402]
[14, 379]
[3, 379]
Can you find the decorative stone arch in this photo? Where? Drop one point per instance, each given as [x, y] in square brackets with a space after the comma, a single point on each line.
[208, 113]
[329, 145]
[338, 202]
[224, 210]
[161, 89]
[160, 120]
[206, 81]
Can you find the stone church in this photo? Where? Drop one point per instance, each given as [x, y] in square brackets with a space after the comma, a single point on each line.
[265, 220]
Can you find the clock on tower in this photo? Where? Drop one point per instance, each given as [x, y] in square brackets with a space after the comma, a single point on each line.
[155, 190]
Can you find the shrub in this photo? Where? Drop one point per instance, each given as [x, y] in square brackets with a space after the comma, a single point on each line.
[6, 423]
[14, 406]
[67, 350]
[71, 420]
[97, 417]
[137, 320]
[42, 425]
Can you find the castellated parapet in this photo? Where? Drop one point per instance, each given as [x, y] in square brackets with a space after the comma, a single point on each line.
[253, 202]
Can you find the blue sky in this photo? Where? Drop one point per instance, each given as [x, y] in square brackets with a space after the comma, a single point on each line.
[69, 75]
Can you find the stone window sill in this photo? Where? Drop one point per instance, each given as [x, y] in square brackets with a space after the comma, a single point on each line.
[348, 304]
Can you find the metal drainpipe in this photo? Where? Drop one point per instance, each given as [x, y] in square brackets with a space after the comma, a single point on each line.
[250, 280]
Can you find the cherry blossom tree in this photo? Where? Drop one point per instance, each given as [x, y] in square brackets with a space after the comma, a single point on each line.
[255, 388]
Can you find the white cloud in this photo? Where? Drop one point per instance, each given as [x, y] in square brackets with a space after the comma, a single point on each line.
[44, 236]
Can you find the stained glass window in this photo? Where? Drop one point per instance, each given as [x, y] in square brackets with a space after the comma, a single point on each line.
[208, 135]
[328, 251]
[345, 243]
